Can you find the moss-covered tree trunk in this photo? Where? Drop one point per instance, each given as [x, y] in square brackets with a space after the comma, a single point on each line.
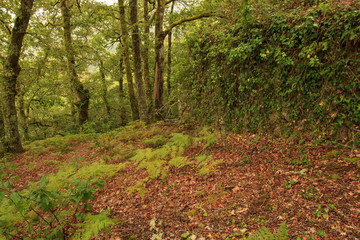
[9, 75]
[104, 87]
[145, 57]
[159, 59]
[126, 56]
[81, 94]
[135, 36]
[168, 80]
[120, 79]
[23, 118]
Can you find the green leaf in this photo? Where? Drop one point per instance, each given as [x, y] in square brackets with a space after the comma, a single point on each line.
[185, 235]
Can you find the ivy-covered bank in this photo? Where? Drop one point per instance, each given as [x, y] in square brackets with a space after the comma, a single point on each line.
[278, 68]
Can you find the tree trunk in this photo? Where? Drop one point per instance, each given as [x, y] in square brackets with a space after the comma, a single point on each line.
[23, 119]
[160, 35]
[10, 73]
[121, 92]
[104, 87]
[82, 94]
[145, 56]
[159, 59]
[168, 80]
[126, 56]
[137, 61]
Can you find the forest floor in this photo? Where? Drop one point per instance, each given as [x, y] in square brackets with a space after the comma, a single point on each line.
[197, 185]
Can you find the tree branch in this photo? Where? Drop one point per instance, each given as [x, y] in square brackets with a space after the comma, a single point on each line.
[170, 1]
[6, 26]
[184, 20]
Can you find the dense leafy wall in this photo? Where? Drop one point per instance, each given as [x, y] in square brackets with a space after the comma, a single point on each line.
[270, 69]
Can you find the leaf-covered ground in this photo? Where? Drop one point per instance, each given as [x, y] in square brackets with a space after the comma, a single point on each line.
[246, 182]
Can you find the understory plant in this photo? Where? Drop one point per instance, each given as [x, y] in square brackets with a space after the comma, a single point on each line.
[41, 212]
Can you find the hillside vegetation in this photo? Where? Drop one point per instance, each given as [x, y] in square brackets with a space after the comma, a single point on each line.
[278, 67]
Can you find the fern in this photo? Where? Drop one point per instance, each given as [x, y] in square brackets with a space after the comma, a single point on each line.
[98, 170]
[139, 186]
[282, 232]
[154, 168]
[162, 153]
[155, 142]
[206, 163]
[93, 225]
[179, 162]
[142, 154]
[180, 140]
[265, 234]
[207, 136]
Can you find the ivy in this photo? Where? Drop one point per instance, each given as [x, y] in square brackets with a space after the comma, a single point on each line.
[297, 68]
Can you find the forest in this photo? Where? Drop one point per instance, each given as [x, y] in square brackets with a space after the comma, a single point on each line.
[180, 119]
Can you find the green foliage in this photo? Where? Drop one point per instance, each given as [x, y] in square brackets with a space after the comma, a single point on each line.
[207, 136]
[156, 162]
[139, 187]
[61, 144]
[206, 164]
[88, 171]
[179, 162]
[46, 213]
[155, 142]
[180, 140]
[265, 234]
[93, 225]
[292, 70]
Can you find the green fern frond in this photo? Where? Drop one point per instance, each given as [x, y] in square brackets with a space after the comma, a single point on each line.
[180, 140]
[179, 162]
[282, 233]
[98, 170]
[93, 225]
[162, 153]
[139, 186]
[265, 234]
[208, 136]
[154, 168]
[142, 154]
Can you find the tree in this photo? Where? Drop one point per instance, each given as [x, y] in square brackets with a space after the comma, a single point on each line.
[169, 56]
[160, 35]
[82, 95]
[10, 73]
[126, 56]
[145, 55]
[137, 61]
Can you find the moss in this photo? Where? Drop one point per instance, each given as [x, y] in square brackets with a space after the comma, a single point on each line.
[335, 176]
[352, 160]
[191, 212]
[332, 154]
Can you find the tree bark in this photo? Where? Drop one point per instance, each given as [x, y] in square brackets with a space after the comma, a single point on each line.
[10, 73]
[82, 94]
[137, 61]
[168, 80]
[159, 59]
[145, 56]
[121, 92]
[23, 118]
[104, 87]
[126, 56]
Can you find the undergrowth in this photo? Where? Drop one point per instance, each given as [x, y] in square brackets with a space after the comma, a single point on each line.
[42, 212]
